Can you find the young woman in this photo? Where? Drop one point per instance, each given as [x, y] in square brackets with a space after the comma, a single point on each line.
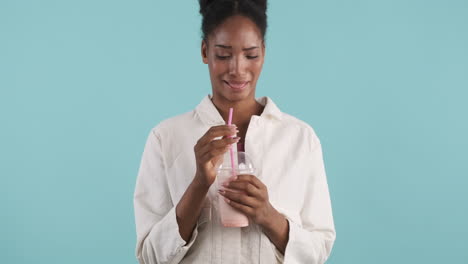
[287, 201]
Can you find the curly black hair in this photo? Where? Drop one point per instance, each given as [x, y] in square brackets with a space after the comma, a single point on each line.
[215, 12]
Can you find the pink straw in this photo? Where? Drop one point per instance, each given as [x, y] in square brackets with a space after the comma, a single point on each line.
[231, 150]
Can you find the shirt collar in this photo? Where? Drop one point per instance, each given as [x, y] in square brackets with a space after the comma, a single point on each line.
[208, 113]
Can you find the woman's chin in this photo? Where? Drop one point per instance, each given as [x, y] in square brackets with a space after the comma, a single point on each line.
[237, 96]
[233, 96]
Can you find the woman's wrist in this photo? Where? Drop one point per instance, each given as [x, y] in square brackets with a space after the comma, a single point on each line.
[199, 184]
[277, 230]
[273, 220]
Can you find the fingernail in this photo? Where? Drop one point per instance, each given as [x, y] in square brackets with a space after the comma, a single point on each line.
[221, 191]
[226, 200]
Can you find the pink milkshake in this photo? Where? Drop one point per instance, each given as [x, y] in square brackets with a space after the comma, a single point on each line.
[231, 217]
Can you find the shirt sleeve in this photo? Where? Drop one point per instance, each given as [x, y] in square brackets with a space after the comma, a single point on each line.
[158, 237]
[312, 240]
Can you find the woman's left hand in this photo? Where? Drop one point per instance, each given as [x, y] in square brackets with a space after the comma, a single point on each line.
[252, 200]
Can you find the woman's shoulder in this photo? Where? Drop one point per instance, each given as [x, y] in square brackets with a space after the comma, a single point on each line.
[178, 123]
[301, 128]
[287, 121]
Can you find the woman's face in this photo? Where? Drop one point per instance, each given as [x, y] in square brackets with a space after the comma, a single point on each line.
[234, 53]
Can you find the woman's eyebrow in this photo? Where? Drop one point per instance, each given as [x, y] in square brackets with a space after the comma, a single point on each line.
[230, 47]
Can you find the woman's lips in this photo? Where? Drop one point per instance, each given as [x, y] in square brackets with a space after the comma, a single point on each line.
[237, 85]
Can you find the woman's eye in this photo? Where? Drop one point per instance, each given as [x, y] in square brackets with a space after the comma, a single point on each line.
[227, 57]
[222, 57]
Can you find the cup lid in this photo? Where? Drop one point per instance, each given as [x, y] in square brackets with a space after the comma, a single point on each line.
[242, 162]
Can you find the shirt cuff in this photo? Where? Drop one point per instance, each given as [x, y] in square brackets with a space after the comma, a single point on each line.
[292, 234]
[183, 246]
[177, 245]
[280, 256]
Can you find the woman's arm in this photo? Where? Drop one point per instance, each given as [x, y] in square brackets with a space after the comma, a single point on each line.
[189, 208]
[207, 152]
[158, 237]
[311, 239]
[156, 217]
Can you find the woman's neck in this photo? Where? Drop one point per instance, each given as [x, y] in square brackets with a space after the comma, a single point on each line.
[243, 110]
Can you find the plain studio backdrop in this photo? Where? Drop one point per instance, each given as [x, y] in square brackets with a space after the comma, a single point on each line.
[384, 84]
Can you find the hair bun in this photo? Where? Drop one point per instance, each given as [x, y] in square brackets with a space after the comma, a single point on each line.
[204, 4]
[260, 3]
[214, 12]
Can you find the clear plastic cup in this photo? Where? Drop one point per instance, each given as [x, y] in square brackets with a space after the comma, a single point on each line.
[231, 217]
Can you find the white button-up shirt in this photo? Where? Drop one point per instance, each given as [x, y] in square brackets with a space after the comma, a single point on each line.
[288, 157]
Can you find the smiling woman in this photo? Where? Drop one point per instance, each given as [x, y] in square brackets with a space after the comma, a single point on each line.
[234, 53]
[287, 200]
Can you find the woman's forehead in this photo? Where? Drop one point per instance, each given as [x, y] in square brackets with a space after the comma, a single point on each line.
[236, 32]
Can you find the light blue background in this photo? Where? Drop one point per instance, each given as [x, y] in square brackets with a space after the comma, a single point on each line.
[384, 84]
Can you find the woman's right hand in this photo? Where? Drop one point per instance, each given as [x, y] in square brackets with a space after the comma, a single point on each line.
[209, 151]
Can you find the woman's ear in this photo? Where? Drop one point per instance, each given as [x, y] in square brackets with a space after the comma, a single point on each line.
[204, 51]
[263, 48]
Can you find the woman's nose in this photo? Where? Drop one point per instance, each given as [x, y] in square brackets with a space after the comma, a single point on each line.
[237, 66]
